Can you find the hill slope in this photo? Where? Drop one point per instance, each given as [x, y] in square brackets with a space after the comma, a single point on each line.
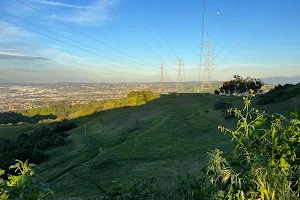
[159, 140]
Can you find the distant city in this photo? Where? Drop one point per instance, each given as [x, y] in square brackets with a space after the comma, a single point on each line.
[22, 97]
[26, 96]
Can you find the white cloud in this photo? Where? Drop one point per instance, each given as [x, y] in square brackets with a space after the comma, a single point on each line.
[10, 53]
[59, 4]
[9, 31]
[94, 14]
[17, 56]
[89, 14]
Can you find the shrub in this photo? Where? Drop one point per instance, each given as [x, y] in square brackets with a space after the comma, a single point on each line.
[43, 144]
[31, 146]
[22, 185]
[18, 118]
[265, 163]
[64, 126]
[37, 156]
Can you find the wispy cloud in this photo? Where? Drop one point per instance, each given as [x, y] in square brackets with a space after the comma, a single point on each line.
[17, 56]
[85, 14]
[59, 4]
[9, 31]
[93, 14]
[32, 71]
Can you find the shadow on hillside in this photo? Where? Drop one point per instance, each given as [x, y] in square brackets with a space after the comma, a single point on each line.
[17, 118]
[161, 102]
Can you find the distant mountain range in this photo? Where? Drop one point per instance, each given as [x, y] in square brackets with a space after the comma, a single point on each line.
[281, 80]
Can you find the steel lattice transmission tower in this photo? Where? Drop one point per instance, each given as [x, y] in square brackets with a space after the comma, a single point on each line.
[179, 86]
[207, 65]
[162, 84]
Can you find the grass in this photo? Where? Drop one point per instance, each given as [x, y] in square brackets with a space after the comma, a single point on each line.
[160, 140]
[11, 132]
[174, 135]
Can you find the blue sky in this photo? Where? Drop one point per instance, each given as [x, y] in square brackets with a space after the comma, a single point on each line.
[261, 37]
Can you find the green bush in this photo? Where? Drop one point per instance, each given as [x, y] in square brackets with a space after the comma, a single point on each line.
[265, 163]
[64, 126]
[31, 146]
[18, 118]
[22, 185]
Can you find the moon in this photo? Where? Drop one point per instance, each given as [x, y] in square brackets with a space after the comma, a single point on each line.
[218, 13]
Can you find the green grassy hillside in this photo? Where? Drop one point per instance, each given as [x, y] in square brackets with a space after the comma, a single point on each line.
[159, 140]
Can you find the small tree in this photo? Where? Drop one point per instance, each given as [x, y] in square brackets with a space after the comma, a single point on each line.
[240, 86]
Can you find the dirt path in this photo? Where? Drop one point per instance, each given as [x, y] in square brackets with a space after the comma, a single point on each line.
[85, 130]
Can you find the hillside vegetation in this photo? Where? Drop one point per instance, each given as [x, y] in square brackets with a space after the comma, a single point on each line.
[152, 143]
[280, 93]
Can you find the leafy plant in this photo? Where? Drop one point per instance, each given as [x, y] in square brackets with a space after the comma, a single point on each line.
[22, 186]
[265, 163]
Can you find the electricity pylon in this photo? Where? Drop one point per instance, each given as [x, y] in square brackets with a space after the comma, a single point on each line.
[207, 65]
[179, 86]
[162, 84]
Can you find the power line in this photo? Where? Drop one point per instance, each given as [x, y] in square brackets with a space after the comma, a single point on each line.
[228, 38]
[149, 30]
[133, 33]
[202, 39]
[203, 21]
[226, 26]
[57, 39]
[159, 30]
[48, 57]
[42, 61]
[92, 38]
[68, 38]
[44, 45]
[240, 41]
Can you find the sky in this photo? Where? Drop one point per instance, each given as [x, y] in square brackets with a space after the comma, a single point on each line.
[48, 41]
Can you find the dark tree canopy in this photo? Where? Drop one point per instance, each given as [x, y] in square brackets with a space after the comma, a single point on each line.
[239, 85]
[31, 146]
